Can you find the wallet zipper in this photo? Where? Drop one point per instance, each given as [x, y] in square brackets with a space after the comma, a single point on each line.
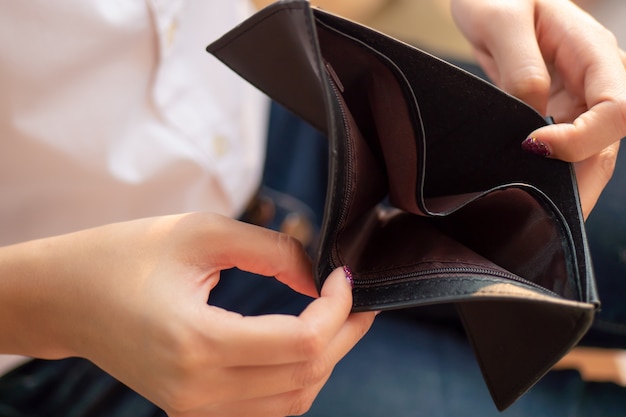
[349, 186]
[450, 270]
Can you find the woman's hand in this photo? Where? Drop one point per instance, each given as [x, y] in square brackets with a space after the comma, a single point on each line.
[132, 297]
[561, 61]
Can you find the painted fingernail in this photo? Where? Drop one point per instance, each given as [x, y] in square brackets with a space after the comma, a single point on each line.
[348, 272]
[536, 147]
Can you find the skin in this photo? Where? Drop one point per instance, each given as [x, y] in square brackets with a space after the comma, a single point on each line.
[557, 58]
[131, 296]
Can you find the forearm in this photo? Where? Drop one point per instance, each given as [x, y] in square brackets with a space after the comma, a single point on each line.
[27, 302]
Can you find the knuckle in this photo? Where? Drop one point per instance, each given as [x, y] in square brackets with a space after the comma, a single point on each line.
[620, 104]
[573, 152]
[187, 359]
[364, 324]
[529, 81]
[311, 373]
[311, 342]
[609, 36]
[176, 402]
[288, 245]
[491, 11]
[180, 395]
[302, 402]
[608, 160]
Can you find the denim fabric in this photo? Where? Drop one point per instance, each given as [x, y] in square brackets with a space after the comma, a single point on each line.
[606, 232]
[404, 367]
[69, 388]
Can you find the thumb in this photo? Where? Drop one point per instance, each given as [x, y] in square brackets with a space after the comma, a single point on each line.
[590, 133]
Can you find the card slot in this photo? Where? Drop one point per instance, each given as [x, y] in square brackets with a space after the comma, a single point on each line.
[507, 232]
[381, 234]
[512, 228]
[431, 253]
[381, 113]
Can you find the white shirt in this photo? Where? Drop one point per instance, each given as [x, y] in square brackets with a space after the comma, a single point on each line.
[112, 110]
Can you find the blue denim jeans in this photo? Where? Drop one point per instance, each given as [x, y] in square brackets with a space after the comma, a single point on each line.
[606, 232]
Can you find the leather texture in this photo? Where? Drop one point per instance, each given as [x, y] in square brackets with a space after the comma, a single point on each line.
[430, 197]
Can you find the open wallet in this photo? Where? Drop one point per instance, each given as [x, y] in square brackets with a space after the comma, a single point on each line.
[430, 197]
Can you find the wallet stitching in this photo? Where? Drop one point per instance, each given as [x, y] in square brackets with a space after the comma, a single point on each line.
[418, 297]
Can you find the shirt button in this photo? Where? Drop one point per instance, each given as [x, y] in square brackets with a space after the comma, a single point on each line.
[220, 145]
[170, 33]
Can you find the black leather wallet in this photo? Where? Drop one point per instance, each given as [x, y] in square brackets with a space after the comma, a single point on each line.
[430, 197]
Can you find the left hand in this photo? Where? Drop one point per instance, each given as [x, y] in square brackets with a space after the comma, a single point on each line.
[132, 298]
[560, 60]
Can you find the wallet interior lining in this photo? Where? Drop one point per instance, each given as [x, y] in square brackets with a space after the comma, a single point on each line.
[506, 231]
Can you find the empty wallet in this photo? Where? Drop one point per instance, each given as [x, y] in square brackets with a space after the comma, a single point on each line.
[430, 197]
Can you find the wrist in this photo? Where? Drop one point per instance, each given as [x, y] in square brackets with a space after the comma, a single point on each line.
[30, 323]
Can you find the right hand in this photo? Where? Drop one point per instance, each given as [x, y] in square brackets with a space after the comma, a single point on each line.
[132, 297]
[564, 63]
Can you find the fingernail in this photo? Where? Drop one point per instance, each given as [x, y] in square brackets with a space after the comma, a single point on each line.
[536, 147]
[348, 272]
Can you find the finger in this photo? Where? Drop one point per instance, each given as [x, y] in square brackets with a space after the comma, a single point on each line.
[243, 383]
[597, 78]
[261, 251]
[488, 65]
[590, 133]
[285, 404]
[511, 56]
[289, 389]
[593, 174]
[278, 339]
[521, 69]
[292, 403]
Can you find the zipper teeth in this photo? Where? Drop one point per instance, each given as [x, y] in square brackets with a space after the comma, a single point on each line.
[449, 270]
[349, 168]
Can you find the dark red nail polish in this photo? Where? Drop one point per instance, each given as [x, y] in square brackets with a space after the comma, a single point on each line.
[348, 272]
[536, 147]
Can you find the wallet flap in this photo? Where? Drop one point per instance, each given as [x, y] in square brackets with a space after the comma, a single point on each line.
[276, 50]
[532, 335]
